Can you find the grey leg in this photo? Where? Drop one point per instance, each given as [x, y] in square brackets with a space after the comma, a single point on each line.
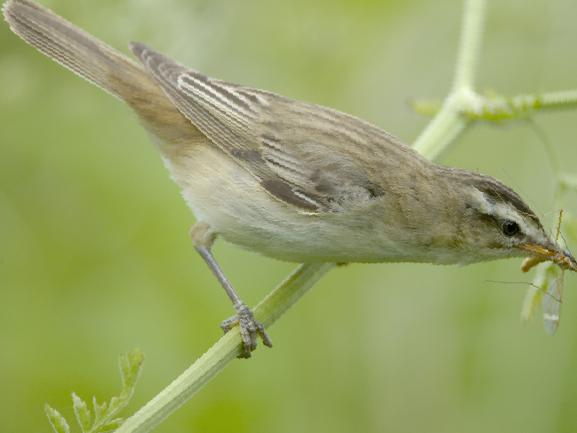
[202, 239]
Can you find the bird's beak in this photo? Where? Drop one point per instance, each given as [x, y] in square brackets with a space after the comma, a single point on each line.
[551, 253]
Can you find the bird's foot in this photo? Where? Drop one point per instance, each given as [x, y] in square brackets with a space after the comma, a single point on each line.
[250, 329]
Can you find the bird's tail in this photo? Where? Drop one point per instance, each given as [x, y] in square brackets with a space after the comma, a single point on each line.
[100, 64]
[80, 52]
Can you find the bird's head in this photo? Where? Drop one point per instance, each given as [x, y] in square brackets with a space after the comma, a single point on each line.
[495, 222]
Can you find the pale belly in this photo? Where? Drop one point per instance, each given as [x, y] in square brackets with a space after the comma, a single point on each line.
[231, 201]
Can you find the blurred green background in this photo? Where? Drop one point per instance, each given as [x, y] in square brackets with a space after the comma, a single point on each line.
[95, 258]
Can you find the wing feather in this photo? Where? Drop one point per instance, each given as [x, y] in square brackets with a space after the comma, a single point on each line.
[294, 164]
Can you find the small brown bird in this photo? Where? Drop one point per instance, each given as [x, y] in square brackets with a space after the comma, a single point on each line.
[293, 180]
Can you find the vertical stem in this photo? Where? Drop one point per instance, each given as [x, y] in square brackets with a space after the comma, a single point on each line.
[470, 44]
[448, 123]
[440, 132]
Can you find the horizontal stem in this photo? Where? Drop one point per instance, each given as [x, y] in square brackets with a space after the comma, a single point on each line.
[500, 108]
[561, 99]
[497, 108]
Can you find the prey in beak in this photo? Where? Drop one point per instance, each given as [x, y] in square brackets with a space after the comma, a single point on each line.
[553, 254]
[547, 288]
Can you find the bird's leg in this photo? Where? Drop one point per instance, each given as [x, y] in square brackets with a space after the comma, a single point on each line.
[203, 238]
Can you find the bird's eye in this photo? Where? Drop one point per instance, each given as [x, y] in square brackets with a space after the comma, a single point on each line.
[510, 228]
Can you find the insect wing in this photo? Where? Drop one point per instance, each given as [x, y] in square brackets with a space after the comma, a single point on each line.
[533, 299]
[551, 304]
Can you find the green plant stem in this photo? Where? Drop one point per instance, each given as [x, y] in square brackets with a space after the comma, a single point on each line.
[440, 132]
[437, 136]
[555, 100]
[499, 108]
[496, 108]
[223, 351]
[470, 44]
[449, 123]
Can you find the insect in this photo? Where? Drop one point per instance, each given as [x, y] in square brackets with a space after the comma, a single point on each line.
[547, 289]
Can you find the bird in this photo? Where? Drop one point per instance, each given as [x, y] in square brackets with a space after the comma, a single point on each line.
[294, 180]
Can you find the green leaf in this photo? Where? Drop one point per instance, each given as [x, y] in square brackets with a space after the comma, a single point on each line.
[112, 425]
[57, 421]
[130, 367]
[102, 418]
[100, 410]
[114, 405]
[82, 413]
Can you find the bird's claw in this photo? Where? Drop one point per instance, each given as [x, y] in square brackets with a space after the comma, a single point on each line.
[250, 330]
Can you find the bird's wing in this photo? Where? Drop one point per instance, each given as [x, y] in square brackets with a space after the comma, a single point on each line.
[293, 149]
